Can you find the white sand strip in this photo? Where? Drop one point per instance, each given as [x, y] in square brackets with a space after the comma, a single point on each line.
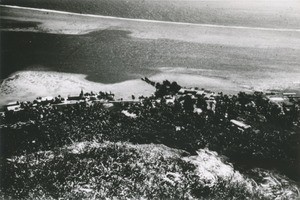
[59, 22]
[155, 21]
[27, 85]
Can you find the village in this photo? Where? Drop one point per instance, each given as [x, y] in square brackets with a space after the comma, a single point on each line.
[199, 100]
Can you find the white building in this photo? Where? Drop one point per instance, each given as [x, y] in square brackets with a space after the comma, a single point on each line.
[240, 124]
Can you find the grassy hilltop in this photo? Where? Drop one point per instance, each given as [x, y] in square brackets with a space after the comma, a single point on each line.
[92, 170]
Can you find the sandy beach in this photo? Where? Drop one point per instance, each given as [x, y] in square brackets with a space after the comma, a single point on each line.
[31, 84]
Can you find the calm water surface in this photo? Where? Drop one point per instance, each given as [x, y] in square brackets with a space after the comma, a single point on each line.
[111, 56]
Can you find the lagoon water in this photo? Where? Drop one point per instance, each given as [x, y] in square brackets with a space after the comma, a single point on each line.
[112, 51]
[111, 56]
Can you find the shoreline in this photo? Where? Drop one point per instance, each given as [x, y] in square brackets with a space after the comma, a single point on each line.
[27, 85]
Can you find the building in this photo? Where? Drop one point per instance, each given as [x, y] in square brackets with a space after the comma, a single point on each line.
[240, 124]
[128, 114]
[289, 94]
[13, 106]
[198, 110]
[47, 99]
[187, 91]
[74, 98]
[276, 99]
[170, 99]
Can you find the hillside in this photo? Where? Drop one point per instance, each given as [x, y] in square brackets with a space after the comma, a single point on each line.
[180, 143]
[92, 170]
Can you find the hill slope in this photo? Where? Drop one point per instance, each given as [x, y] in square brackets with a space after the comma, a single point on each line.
[91, 170]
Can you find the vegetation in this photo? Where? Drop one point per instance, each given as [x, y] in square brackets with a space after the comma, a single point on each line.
[273, 138]
[92, 170]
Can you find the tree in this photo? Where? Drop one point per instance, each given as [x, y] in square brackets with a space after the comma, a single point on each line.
[201, 103]
[175, 87]
[188, 104]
